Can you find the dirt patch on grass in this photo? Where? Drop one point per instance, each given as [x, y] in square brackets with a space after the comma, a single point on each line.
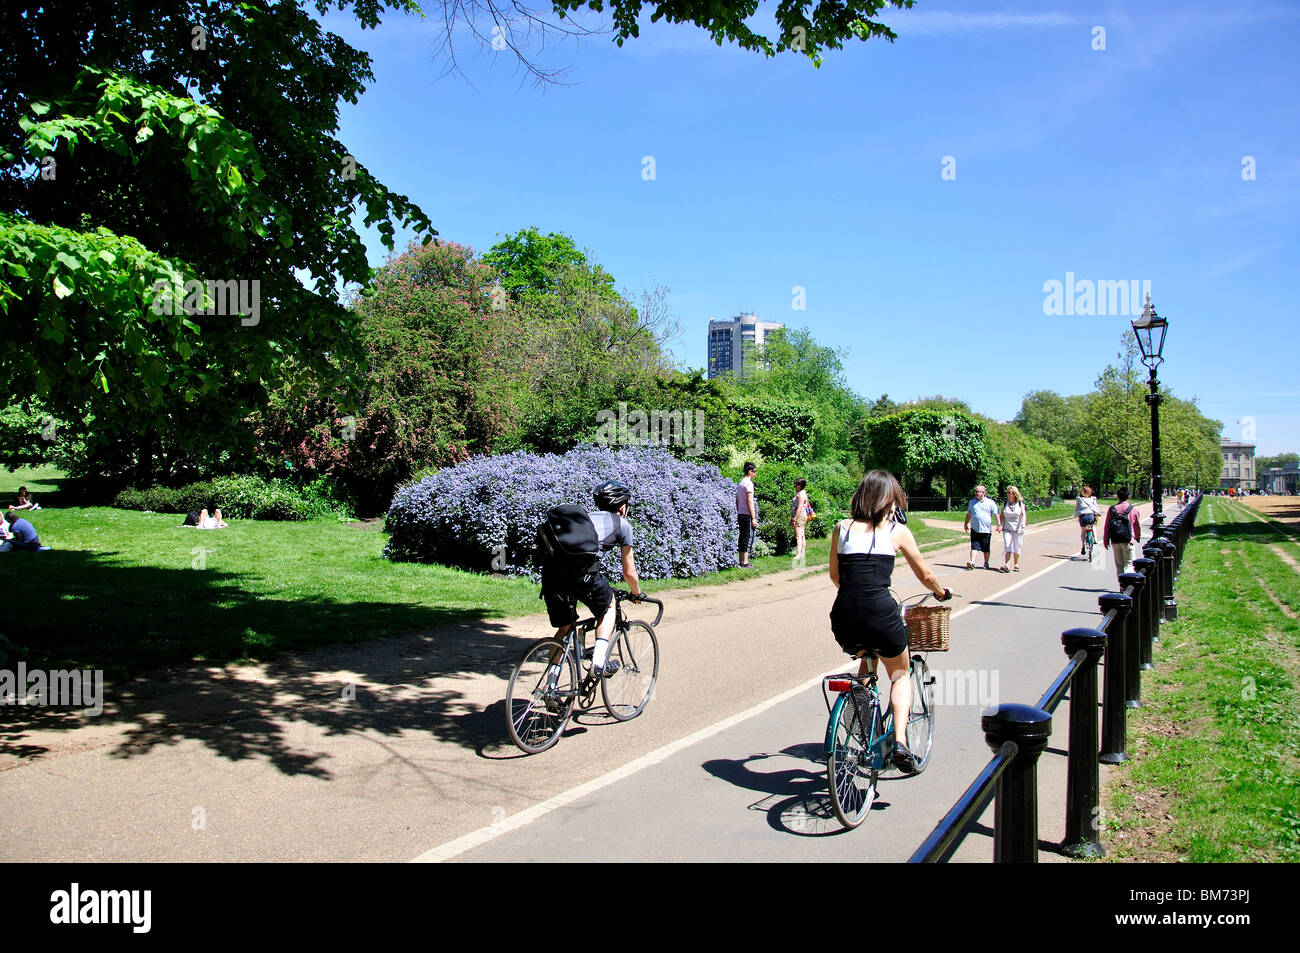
[1286, 557]
[1283, 509]
[1150, 810]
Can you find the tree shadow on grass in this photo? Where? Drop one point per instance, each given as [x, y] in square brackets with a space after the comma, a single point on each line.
[82, 611]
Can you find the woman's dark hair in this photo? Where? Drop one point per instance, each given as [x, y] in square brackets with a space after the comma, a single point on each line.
[191, 518]
[750, 468]
[876, 496]
[1121, 494]
[800, 483]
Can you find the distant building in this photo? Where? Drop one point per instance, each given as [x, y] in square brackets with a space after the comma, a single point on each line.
[728, 338]
[1238, 465]
[1283, 479]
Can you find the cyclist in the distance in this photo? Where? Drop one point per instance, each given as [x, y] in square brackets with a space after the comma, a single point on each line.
[591, 588]
[865, 616]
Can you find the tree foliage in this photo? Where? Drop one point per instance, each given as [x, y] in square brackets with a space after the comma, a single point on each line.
[919, 445]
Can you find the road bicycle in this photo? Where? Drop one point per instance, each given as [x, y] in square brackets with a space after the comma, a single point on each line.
[545, 686]
[1090, 541]
[860, 737]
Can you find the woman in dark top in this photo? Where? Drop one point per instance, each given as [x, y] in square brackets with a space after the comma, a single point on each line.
[865, 618]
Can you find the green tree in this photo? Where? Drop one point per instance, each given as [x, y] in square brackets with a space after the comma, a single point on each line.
[178, 140]
[1046, 414]
[531, 264]
[919, 446]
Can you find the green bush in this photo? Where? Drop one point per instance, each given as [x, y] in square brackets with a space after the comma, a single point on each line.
[243, 497]
[828, 483]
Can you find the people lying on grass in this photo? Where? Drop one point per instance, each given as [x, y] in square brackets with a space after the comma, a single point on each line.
[24, 501]
[200, 519]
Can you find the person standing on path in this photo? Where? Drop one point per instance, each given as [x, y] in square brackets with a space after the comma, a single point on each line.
[746, 513]
[1123, 531]
[801, 512]
[1014, 522]
[1087, 511]
[981, 513]
[865, 618]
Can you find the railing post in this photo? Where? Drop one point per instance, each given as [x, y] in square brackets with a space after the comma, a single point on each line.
[1170, 607]
[1114, 716]
[1015, 824]
[1122, 606]
[1083, 784]
[1155, 586]
[1139, 626]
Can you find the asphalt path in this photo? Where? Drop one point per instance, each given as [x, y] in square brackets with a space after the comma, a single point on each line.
[396, 750]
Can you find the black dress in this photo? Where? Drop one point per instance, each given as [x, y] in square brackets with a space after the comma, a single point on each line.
[865, 615]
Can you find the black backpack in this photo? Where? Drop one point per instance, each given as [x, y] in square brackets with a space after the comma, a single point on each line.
[567, 540]
[1121, 530]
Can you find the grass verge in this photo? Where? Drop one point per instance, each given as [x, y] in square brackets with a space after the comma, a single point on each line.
[1215, 774]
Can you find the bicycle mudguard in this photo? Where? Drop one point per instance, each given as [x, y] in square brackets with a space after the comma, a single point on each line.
[833, 721]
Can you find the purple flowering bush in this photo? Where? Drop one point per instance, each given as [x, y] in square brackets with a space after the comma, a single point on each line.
[483, 514]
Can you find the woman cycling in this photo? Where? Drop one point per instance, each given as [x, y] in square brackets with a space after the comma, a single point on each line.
[865, 618]
[1087, 510]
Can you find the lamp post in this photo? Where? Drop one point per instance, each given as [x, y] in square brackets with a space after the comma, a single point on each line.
[1150, 330]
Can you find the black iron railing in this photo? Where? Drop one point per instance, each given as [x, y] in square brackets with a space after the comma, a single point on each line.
[1129, 627]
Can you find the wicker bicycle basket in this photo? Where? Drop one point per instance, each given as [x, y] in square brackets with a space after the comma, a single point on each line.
[927, 628]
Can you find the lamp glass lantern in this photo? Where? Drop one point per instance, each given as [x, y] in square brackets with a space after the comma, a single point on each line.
[1150, 330]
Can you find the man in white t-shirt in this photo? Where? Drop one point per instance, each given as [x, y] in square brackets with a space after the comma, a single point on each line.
[981, 513]
[746, 514]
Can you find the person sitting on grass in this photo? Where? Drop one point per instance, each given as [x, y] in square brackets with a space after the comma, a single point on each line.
[22, 537]
[24, 501]
[200, 519]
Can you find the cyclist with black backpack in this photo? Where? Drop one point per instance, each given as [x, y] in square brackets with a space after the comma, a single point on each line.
[570, 542]
[1122, 531]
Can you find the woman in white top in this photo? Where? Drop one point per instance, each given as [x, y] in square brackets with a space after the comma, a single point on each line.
[1087, 511]
[1014, 521]
[865, 618]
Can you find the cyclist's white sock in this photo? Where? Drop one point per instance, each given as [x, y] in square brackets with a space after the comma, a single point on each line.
[599, 652]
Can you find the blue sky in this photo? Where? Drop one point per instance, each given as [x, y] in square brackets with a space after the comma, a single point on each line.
[1117, 164]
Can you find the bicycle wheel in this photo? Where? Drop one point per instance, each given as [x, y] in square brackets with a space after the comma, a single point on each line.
[540, 696]
[628, 690]
[1091, 542]
[850, 775]
[920, 720]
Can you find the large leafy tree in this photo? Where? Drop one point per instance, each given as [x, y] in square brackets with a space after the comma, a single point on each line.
[174, 141]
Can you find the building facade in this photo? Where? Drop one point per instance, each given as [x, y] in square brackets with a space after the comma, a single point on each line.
[727, 340]
[1238, 465]
[1284, 479]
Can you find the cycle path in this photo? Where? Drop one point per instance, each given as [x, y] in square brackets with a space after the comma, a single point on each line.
[387, 750]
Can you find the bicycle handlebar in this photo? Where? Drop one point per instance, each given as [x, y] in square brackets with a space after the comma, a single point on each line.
[622, 594]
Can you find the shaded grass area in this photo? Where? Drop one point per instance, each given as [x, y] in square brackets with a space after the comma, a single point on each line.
[1216, 769]
[127, 591]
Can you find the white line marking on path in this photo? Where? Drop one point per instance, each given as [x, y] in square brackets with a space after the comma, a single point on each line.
[483, 835]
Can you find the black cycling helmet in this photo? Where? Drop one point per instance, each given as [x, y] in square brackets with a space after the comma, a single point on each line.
[612, 494]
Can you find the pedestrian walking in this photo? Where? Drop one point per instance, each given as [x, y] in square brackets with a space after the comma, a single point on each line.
[747, 514]
[801, 512]
[1123, 530]
[1015, 520]
[981, 513]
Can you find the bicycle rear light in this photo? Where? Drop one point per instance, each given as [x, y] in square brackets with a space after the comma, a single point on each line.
[840, 685]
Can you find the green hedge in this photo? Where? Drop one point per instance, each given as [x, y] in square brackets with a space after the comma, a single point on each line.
[830, 488]
[242, 497]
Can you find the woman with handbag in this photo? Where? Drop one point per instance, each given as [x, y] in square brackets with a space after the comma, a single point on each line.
[801, 512]
[1014, 522]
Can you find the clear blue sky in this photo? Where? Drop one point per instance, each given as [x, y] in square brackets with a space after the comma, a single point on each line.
[1116, 164]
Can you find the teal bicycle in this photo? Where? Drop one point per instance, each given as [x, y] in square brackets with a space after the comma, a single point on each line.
[860, 737]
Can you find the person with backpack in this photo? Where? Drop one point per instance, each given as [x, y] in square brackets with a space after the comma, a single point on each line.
[570, 542]
[1122, 531]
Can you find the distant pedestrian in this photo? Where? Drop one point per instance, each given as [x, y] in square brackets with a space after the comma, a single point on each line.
[981, 514]
[747, 513]
[1123, 530]
[1014, 522]
[1087, 510]
[801, 512]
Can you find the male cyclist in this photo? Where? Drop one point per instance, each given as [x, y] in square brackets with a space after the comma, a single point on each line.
[590, 587]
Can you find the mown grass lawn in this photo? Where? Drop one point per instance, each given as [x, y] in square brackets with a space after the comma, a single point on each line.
[1216, 769]
[127, 591]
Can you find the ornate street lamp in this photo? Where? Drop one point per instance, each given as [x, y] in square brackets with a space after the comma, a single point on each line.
[1150, 330]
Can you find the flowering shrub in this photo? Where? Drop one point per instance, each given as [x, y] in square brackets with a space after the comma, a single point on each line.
[483, 514]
